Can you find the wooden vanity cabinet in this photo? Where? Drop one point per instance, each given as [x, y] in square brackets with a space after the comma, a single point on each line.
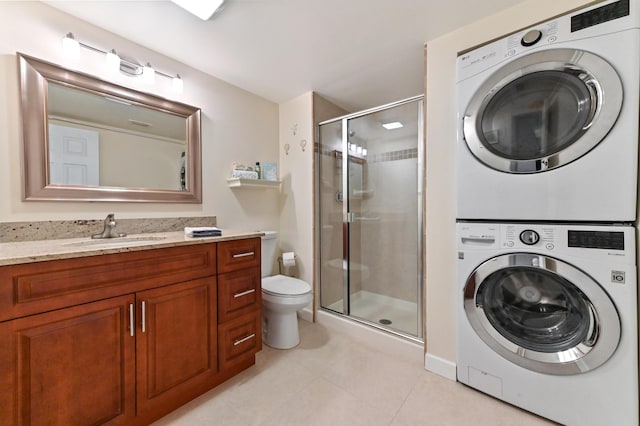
[118, 351]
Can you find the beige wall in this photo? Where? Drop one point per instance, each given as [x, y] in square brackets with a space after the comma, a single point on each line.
[296, 173]
[236, 125]
[441, 141]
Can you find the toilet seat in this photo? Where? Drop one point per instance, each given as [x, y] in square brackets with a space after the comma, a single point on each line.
[281, 285]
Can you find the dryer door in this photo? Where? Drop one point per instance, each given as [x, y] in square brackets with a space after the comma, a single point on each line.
[542, 313]
[542, 111]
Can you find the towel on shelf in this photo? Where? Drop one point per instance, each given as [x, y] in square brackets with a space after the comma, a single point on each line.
[244, 174]
[202, 231]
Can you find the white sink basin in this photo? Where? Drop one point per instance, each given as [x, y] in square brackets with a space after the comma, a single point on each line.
[116, 242]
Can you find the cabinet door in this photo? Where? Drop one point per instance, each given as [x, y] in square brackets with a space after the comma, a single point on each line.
[69, 367]
[176, 345]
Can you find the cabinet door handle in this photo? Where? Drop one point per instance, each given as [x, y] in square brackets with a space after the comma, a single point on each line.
[251, 253]
[132, 320]
[244, 293]
[144, 315]
[244, 339]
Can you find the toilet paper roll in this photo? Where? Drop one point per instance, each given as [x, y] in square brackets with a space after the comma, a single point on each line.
[288, 259]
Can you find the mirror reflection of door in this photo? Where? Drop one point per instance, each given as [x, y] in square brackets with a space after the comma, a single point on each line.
[74, 157]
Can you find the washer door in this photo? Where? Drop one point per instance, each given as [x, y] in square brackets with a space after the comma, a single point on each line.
[542, 314]
[543, 111]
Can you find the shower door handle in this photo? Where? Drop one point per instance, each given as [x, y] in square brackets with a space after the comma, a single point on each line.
[351, 217]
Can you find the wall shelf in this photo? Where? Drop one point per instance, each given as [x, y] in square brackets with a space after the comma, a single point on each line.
[252, 183]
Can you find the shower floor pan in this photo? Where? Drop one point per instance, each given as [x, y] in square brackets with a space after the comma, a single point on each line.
[389, 312]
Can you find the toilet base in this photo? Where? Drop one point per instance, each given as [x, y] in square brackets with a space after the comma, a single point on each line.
[280, 329]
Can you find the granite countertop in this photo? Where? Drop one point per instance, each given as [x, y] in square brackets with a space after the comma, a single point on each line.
[36, 251]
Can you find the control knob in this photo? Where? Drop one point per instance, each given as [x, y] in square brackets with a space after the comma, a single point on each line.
[529, 237]
[531, 38]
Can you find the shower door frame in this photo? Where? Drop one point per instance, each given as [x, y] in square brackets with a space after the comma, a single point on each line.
[347, 217]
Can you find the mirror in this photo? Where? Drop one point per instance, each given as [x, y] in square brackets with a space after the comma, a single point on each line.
[89, 140]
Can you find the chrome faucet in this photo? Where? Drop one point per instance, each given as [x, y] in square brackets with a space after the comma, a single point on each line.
[109, 230]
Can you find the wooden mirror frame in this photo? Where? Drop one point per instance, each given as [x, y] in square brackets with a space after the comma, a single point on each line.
[35, 75]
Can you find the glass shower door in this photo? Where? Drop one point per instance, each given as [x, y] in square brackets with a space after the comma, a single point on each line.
[371, 214]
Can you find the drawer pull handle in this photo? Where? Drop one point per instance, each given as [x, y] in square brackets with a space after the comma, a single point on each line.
[244, 339]
[131, 320]
[251, 253]
[244, 293]
[144, 319]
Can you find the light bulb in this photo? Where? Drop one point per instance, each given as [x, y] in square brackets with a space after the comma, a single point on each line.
[177, 84]
[148, 74]
[364, 152]
[359, 149]
[70, 46]
[113, 61]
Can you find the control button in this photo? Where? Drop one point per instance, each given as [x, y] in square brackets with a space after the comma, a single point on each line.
[510, 243]
[552, 39]
[531, 38]
[511, 52]
[529, 237]
[550, 246]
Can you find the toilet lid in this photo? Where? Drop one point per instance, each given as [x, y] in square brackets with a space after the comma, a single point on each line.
[281, 284]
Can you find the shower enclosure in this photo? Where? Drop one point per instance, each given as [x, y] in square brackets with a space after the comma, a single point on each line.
[369, 208]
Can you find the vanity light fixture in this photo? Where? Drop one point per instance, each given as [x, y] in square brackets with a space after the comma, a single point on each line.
[392, 125]
[203, 9]
[113, 63]
[148, 74]
[177, 84]
[71, 46]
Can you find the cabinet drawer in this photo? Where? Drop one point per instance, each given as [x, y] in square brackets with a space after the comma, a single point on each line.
[42, 286]
[238, 254]
[239, 293]
[239, 339]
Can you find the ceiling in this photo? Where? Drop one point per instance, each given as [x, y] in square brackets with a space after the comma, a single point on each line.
[356, 53]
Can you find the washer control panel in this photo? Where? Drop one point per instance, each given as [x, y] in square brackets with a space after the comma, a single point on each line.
[516, 235]
[595, 242]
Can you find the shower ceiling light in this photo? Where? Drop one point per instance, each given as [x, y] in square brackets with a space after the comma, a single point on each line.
[392, 125]
[201, 8]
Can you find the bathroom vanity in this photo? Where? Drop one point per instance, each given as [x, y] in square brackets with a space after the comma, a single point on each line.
[124, 335]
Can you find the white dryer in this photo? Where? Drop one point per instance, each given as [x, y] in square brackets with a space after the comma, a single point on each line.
[547, 319]
[548, 120]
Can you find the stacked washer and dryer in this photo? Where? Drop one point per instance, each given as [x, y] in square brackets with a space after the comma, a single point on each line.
[547, 183]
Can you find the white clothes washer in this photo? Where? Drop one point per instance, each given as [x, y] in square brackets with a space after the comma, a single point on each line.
[548, 120]
[547, 318]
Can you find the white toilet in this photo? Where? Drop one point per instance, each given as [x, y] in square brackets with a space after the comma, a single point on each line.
[282, 298]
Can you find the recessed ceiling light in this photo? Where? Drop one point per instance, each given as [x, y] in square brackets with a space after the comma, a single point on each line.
[201, 8]
[393, 125]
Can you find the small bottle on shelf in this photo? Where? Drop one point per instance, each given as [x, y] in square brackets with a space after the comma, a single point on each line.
[258, 170]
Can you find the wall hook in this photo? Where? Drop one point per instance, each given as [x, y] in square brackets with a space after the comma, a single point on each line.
[303, 144]
[294, 129]
[286, 148]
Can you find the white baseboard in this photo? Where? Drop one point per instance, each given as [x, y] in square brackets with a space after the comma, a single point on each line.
[306, 314]
[440, 366]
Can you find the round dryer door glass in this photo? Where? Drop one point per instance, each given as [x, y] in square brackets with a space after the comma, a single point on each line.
[542, 313]
[542, 111]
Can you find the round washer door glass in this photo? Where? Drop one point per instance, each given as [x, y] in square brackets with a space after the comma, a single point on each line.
[542, 314]
[542, 111]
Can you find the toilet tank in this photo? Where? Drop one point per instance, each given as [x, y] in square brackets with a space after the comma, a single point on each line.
[268, 249]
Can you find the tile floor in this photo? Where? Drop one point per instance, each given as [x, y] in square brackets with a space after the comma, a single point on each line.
[329, 379]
